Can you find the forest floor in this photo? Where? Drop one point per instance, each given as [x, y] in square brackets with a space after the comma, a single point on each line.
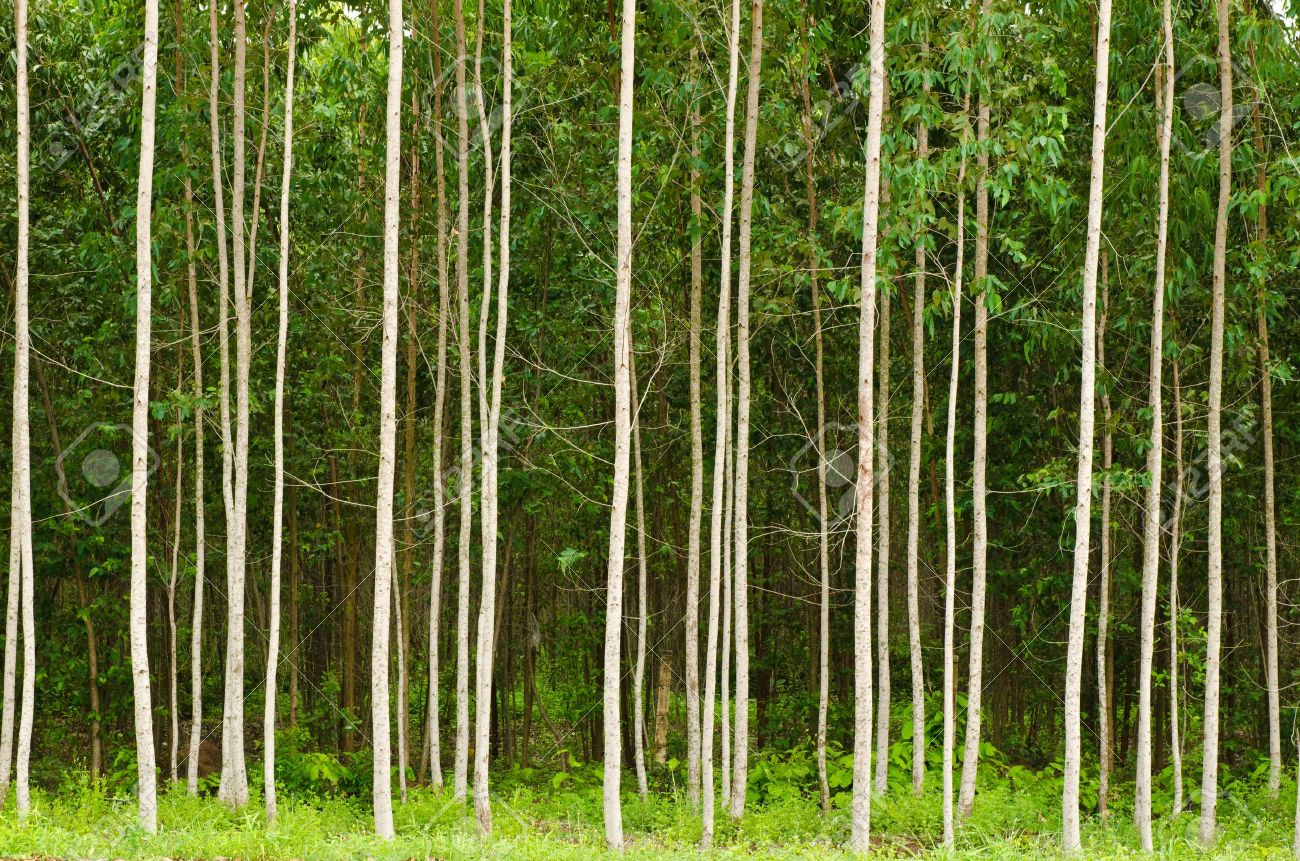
[536, 823]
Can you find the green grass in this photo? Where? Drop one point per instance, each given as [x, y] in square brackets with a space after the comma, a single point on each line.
[541, 822]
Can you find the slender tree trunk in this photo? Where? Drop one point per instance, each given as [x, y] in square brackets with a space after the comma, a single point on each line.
[740, 769]
[859, 838]
[919, 300]
[882, 538]
[21, 529]
[638, 678]
[1105, 712]
[172, 664]
[622, 433]
[1155, 455]
[144, 743]
[697, 471]
[11, 633]
[234, 778]
[277, 524]
[384, 560]
[434, 731]
[717, 525]
[1214, 445]
[1083, 480]
[295, 640]
[487, 604]
[823, 531]
[1175, 545]
[1270, 501]
[465, 480]
[979, 461]
[950, 502]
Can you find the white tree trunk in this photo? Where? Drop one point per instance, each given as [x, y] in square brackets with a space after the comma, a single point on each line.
[919, 300]
[11, 641]
[979, 460]
[1155, 459]
[1175, 545]
[145, 768]
[234, 777]
[487, 605]
[622, 434]
[380, 712]
[717, 525]
[465, 479]
[200, 542]
[697, 474]
[882, 538]
[173, 575]
[1083, 478]
[859, 839]
[740, 765]
[950, 502]
[638, 675]
[277, 526]
[433, 733]
[22, 531]
[1105, 719]
[728, 599]
[1214, 446]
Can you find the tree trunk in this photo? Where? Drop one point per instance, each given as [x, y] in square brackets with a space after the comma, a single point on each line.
[979, 460]
[277, 525]
[144, 741]
[859, 838]
[1083, 480]
[1155, 454]
[638, 675]
[234, 778]
[882, 538]
[487, 604]
[465, 480]
[1105, 711]
[919, 299]
[717, 525]
[740, 768]
[622, 433]
[950, 502]
[697, 471]
[433, 732]
[173, 670]
[1214, 445]
[1175, 545]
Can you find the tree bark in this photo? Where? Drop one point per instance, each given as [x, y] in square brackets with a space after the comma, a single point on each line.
[173, 669]
[622, 433]
[1083, 480]
[277, 525]
[487, 603]
[1155, 455]
[638, 675]
[914, 486]
[740, 765]
[1105, 712]
[144, 742]
[1175, 545]
[717, 525]
[859, 839]
[950, 500]
[384, 558]
[1214, 445]
[882, 537]
[697, 467]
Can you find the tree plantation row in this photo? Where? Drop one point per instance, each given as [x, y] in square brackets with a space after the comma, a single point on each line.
[683, 387]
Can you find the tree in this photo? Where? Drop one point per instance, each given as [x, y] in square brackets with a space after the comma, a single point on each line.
[144, 749]
[914, 481]
[1151, 516]
[717, 523]
[1105, 714]
[862, 688]
[697, 463]
[740, 766]
[277, 528]
[487, 603]
[1083, 479]
[638, 674]
[384, 564]
[21, 530]
[1214, 444]
[1175, 545]
[622, 432]
[234, 778]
